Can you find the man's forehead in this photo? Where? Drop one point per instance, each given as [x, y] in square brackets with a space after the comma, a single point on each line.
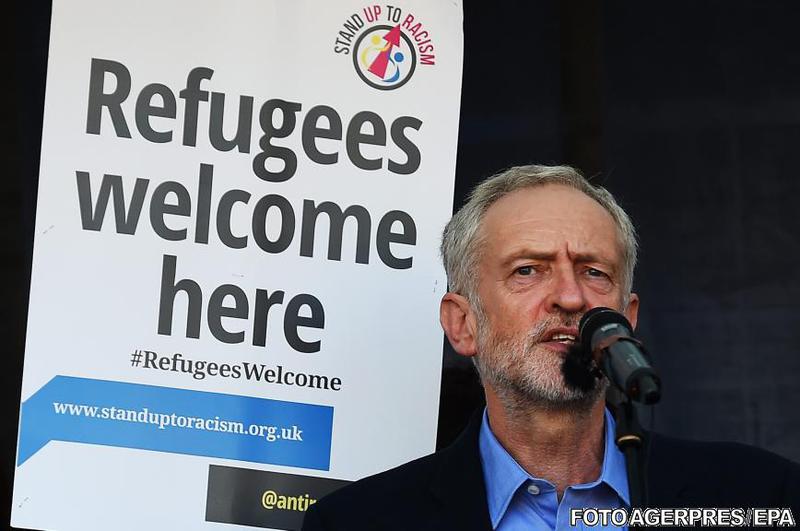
[545, 214]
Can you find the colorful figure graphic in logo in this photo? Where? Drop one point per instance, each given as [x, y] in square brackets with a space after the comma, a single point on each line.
[382, 57]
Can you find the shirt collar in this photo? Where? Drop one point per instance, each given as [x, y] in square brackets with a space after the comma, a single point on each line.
[504, 476]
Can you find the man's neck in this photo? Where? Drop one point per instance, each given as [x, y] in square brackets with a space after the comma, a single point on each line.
[565, 447]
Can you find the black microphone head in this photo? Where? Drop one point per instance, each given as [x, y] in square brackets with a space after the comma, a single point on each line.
[597, 318]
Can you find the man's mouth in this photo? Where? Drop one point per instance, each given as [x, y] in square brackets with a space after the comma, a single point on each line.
[565, 336]
[567, 339]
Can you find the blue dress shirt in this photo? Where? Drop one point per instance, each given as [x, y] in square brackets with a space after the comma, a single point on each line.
[519, 501]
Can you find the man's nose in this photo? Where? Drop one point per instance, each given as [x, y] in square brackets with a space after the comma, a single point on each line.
[566, 294]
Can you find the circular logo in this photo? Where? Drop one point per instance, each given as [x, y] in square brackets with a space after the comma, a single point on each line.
[384, 57]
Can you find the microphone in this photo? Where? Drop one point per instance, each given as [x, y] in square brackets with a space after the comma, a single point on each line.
[608, 336]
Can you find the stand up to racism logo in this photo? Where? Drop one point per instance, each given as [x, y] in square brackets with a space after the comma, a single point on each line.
[386, 45]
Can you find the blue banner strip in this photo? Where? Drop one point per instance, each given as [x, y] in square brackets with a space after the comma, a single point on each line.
[179, 421]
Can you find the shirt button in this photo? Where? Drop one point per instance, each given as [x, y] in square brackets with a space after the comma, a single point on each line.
[533, 489]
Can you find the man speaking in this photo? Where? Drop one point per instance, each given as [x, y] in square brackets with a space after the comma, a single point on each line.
[531, 252]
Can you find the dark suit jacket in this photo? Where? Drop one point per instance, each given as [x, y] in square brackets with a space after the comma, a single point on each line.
[446, 490]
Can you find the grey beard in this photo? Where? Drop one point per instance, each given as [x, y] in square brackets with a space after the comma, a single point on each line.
[526, 376]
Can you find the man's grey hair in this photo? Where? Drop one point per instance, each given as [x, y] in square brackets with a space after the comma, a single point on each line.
[462, 239]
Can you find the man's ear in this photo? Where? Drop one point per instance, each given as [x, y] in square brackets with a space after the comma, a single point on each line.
[459, 324]
[632, 311]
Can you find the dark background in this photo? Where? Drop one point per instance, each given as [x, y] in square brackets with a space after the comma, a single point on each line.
[688, 111]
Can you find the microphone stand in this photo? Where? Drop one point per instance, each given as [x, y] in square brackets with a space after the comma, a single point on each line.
[630, 440]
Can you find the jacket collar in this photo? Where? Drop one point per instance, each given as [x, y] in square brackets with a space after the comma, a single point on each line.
[458, 482]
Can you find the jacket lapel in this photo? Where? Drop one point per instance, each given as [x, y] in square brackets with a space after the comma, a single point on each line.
[458, 483]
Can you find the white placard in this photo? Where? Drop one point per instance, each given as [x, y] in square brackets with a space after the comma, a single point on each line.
[236, 252]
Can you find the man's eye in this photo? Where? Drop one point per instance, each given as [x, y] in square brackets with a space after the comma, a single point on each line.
[525, 270]
[592, 272]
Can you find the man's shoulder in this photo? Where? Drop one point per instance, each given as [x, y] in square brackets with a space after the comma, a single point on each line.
[443, 490]
[719, 474]
[401, 482]
[381, 501]
[718, 456]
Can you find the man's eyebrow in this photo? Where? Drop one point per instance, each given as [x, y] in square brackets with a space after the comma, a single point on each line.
[591, 257]
[581, 258]
[528, 254]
